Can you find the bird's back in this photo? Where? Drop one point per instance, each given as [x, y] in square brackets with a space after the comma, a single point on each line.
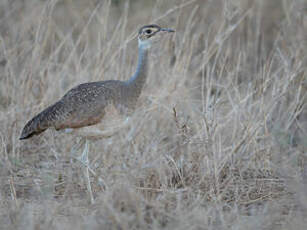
[83, 105]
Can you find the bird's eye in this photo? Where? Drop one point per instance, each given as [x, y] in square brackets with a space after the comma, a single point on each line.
[148, 31]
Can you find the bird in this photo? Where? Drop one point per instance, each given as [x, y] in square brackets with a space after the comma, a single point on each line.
[86, 104]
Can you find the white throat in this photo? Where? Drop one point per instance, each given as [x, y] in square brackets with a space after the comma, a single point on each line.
[144, 44]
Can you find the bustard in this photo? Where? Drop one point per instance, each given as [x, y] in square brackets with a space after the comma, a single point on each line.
[85, 104]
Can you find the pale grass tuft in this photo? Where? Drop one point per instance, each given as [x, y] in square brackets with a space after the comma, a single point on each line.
[218, 139]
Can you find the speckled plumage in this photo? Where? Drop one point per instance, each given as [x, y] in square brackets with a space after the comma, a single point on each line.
[85, 104]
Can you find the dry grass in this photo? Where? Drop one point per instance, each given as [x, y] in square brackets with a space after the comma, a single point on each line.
[219, 138]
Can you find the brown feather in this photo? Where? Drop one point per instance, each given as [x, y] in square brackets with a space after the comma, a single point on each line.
[82, 106]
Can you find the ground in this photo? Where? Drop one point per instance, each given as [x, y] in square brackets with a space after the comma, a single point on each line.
[218, 138]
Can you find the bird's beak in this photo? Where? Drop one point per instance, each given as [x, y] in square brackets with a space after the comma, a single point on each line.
[168, 30]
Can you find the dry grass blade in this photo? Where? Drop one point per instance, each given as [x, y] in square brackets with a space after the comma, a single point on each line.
[218, 139]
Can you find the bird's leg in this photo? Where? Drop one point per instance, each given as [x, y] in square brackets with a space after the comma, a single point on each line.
[84, 160]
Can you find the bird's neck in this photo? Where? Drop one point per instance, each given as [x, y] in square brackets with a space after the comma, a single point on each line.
[137, 81]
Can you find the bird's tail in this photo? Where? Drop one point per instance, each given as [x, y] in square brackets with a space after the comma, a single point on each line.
[42, 121]
[34, 127]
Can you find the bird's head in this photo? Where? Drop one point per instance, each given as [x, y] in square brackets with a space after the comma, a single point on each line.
[150, 34]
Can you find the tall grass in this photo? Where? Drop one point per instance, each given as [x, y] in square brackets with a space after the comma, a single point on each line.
[218, 139]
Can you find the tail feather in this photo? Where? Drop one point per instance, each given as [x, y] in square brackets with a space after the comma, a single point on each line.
[41, 121]
[33, 127]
